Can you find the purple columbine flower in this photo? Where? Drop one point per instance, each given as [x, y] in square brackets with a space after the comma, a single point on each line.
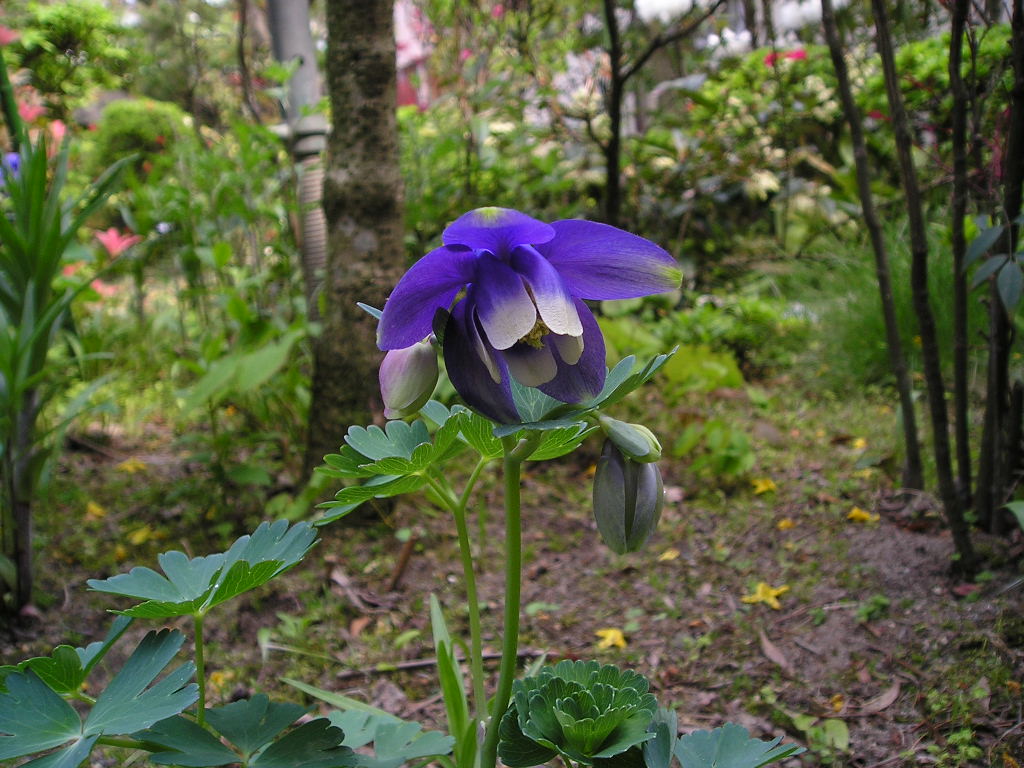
[514, 288]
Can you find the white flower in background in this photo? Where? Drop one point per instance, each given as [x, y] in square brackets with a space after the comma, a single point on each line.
[793, 14]
[761, 184]
[662, 10]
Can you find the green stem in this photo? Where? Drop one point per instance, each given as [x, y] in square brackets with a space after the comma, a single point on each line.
[197, 625]
[458, 509]
[476, 645]
[515, 454]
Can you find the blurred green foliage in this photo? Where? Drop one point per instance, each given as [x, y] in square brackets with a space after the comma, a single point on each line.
[69, 50]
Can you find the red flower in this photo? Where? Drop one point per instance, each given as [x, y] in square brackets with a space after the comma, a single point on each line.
[798, 55]
[115, 242]
[31, 112]
[770, 59]
[58, 131]
[105, 290]
[7, 35]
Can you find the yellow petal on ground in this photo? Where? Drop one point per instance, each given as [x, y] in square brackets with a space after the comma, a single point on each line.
[785, 524]
[140, 535]
[865, 473]
[220, 678]
[667, 555]
[838, 701]
[767, 594]
[611, 637]
[860, 444]
[131, 466]
[859, 515]
[94, 511]
[120, 553]
[763, 485]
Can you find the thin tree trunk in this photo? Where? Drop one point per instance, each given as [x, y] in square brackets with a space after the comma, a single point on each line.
[613, 147]
[958, 204]
[363, 206]
[243, 62]
[620, 73]
[913, 476]
[995, 455]
[919, 288]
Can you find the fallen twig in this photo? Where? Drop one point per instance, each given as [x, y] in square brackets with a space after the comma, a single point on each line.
[404, 666]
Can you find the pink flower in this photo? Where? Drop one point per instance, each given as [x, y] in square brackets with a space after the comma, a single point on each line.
[31, 112]
[70, 269]
[115, 242]
[105, 290]
[798, 55]
[464, 54]
[498, 11]
[58, 130]
[7, 35]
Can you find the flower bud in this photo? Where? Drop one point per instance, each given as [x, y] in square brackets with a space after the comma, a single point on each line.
[407, 379]
[636, 441]
[628, 497]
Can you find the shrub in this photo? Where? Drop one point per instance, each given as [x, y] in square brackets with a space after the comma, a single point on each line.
[138, 126]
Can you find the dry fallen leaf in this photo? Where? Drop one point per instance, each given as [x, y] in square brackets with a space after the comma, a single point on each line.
[882, 701]
[774, 653]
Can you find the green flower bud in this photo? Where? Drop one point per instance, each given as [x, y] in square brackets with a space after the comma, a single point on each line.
[636, 441]
[407, 379]
[628, 497]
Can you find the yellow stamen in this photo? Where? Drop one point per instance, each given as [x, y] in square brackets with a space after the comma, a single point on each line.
[535, 338]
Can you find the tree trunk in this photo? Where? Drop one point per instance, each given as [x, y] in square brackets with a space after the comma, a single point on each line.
[913, 476]
[363, 205]
[613, 147]
[958, 203]
[994, 474]
[921, 299]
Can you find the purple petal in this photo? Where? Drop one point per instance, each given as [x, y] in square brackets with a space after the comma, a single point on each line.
[554, 303]
[531, 366]
[503, 304]
[430, 283]
[598, 261]
[470, 376]
[497, 230]
[584, 380]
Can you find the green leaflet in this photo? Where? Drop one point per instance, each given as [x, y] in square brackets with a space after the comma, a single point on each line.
[253, 727]
[34, 718]
[393, 460]
[194, 586]
[730, 747]
[394, 740]
[66, 668]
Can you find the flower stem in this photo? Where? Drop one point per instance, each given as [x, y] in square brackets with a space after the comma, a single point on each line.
[476, 653]
[197, 625]
[515, 454]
